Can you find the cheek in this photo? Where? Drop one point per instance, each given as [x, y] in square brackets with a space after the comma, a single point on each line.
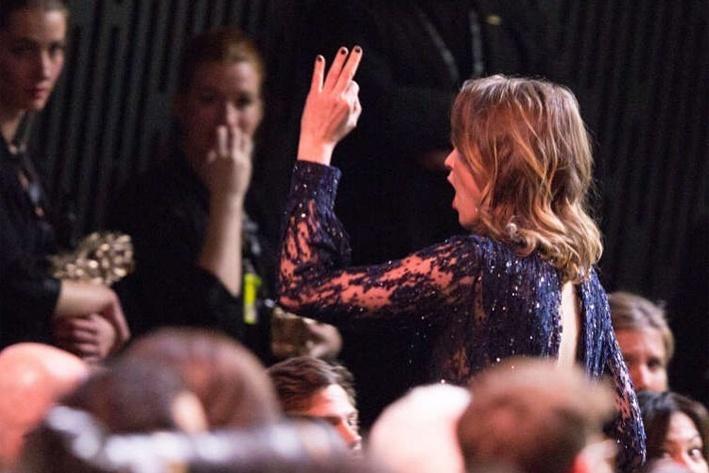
[249, 120]
[13, 73]
[659, 380]
[57, 68]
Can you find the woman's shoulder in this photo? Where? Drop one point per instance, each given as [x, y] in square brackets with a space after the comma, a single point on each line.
[486, 251]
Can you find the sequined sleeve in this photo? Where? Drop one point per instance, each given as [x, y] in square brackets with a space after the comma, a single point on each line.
[628, 426]
[314, 279]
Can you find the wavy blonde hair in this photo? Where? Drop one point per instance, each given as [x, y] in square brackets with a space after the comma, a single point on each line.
[526, 141]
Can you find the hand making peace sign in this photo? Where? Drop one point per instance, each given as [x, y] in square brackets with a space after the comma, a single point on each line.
[332, 107]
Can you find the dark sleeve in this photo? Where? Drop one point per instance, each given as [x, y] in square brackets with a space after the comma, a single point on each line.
[314, 279]
[172, 289]
[627, 428]
[28, 295]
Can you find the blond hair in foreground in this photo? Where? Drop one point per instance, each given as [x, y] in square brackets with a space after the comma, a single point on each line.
[527, 142]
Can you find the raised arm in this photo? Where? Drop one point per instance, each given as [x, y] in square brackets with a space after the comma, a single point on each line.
[313, 279]
[226, 172]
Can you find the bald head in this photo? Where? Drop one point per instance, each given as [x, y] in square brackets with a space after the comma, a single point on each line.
[32, 377]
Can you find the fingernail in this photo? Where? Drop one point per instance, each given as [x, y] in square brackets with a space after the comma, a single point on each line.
[319, 58]
[343, 50]
[357, 49]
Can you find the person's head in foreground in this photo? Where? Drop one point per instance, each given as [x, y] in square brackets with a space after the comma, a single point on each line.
[644, 338]
[32, 377]
[417, 433]
[134, 396]
[534, 417]
[71, 440]
[313, 388]
[521, 169]
[228, 379]
[677, 430]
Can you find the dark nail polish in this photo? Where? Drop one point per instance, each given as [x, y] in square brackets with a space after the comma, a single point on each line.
[319, 58]
[343, 50]
[357, 49]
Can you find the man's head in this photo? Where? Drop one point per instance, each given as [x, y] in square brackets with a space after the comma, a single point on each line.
[32, 377]
[417, 433]
[644, 338]
[537, 418]
[309, 387]
[228, 379]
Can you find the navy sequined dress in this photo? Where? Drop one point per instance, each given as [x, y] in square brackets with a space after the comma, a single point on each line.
[480, 301]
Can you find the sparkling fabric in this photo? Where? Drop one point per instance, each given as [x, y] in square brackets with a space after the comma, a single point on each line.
[478, 301]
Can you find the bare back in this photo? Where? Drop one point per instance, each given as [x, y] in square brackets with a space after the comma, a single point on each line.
[570, 314]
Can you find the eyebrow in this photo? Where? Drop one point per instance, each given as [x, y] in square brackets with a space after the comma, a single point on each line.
[690, 439]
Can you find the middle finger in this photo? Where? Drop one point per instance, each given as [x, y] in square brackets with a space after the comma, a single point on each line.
[335, 69]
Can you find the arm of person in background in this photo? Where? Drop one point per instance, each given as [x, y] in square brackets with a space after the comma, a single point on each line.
[31, 300]
[226, 173]
[91, 337]
[89, 321]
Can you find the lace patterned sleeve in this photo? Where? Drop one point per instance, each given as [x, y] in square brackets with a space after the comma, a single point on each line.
[314, 280]
[627, 426]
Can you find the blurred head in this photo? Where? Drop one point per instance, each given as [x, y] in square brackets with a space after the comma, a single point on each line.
[134, 396]
[313, 388]
[677, 429]
[32, 377]
[229, 381]
[219, 84]
[521, 169]
[71, 441]
[417, 433]
[645, 339]
[535, 417]
[32, 43]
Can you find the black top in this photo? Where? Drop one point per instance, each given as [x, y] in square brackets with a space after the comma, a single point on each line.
[166, 211]
[28, 294]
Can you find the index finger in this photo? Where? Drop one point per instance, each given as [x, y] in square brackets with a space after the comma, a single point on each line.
[318, 74]
[350, 68]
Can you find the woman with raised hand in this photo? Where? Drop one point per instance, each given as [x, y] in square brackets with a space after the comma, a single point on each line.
[186, 213]
[87, 318]
[522, 283]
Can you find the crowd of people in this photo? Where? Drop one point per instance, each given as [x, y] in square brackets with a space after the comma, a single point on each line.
[201, 359]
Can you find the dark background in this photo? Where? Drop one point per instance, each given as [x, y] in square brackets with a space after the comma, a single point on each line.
[640, 70]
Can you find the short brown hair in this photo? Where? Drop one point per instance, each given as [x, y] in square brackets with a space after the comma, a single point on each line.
[531, 415]
[227, 45]
[633, 312]
[526, 140]
[229, 381]
[297, 379]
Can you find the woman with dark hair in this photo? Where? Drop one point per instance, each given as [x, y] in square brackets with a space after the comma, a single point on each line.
[522, 283]
[88, 318]
[677, 429]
